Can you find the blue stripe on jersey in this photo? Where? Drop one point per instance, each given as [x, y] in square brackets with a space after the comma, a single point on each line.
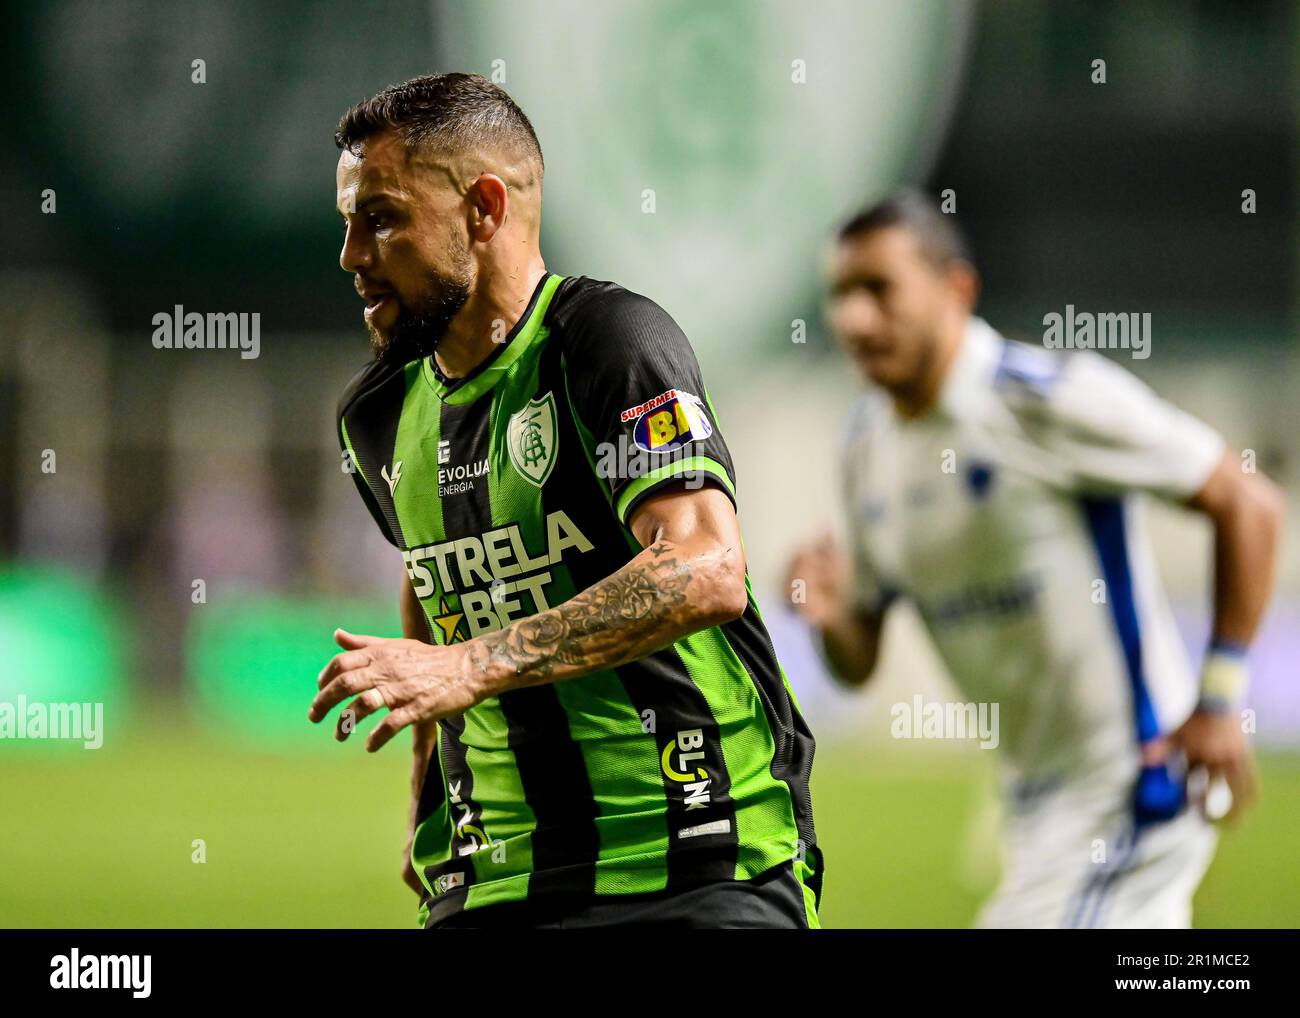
[1085, 908]
[1106, 525]
[1110, 882]
[1027, 366]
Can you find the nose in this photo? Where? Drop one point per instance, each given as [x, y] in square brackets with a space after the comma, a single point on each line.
[357, 254]
[856, 314]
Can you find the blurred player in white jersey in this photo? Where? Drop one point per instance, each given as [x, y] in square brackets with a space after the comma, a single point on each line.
[999, 487]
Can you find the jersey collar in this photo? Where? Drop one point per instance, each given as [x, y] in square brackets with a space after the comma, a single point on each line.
[975, 364]
[464, 390]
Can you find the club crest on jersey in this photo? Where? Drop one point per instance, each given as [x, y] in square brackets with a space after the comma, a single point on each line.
[533, 439]
[669, 421]
[979, 478]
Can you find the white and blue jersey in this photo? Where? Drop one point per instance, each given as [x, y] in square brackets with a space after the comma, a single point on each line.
[1011, 514]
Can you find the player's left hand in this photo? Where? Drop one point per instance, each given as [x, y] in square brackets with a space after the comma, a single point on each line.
[416, 681]
[1216, 742]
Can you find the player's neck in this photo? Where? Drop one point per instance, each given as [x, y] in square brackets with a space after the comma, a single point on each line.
[919, 399]
[488, 316]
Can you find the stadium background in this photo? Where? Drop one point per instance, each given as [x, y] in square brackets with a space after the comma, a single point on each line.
[685, 159]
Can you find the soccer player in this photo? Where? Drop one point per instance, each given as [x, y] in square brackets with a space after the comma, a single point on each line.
[602, 733]
[999, 487]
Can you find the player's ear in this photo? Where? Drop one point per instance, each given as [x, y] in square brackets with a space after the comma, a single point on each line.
[965, 282]
[488, 203]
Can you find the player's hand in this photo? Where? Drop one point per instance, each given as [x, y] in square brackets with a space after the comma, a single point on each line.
[416, 681]
[817, 582]
[409, 876]
[1216, 742]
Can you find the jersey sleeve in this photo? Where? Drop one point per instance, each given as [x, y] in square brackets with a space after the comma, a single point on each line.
[1107, 432]
[637, 392]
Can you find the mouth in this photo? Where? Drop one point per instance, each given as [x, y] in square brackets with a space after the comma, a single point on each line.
[375, 300]
[871, 351]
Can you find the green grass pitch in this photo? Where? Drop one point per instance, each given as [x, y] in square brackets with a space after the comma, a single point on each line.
[106, 838]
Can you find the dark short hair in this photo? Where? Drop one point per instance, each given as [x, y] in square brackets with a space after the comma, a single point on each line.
[940, 239]
[451, 111]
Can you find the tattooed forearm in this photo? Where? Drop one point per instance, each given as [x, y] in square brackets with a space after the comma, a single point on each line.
[643, 606]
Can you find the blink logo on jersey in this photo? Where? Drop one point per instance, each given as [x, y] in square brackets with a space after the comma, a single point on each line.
[679, 764]
[487, 571]
[471, 834]
[668, 421]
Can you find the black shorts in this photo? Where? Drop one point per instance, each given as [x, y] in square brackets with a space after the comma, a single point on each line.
[773, 900]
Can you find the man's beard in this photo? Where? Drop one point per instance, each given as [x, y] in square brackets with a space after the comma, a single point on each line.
[418, 331]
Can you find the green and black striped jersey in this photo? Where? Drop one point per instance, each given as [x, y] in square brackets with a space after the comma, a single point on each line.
[509, 491]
